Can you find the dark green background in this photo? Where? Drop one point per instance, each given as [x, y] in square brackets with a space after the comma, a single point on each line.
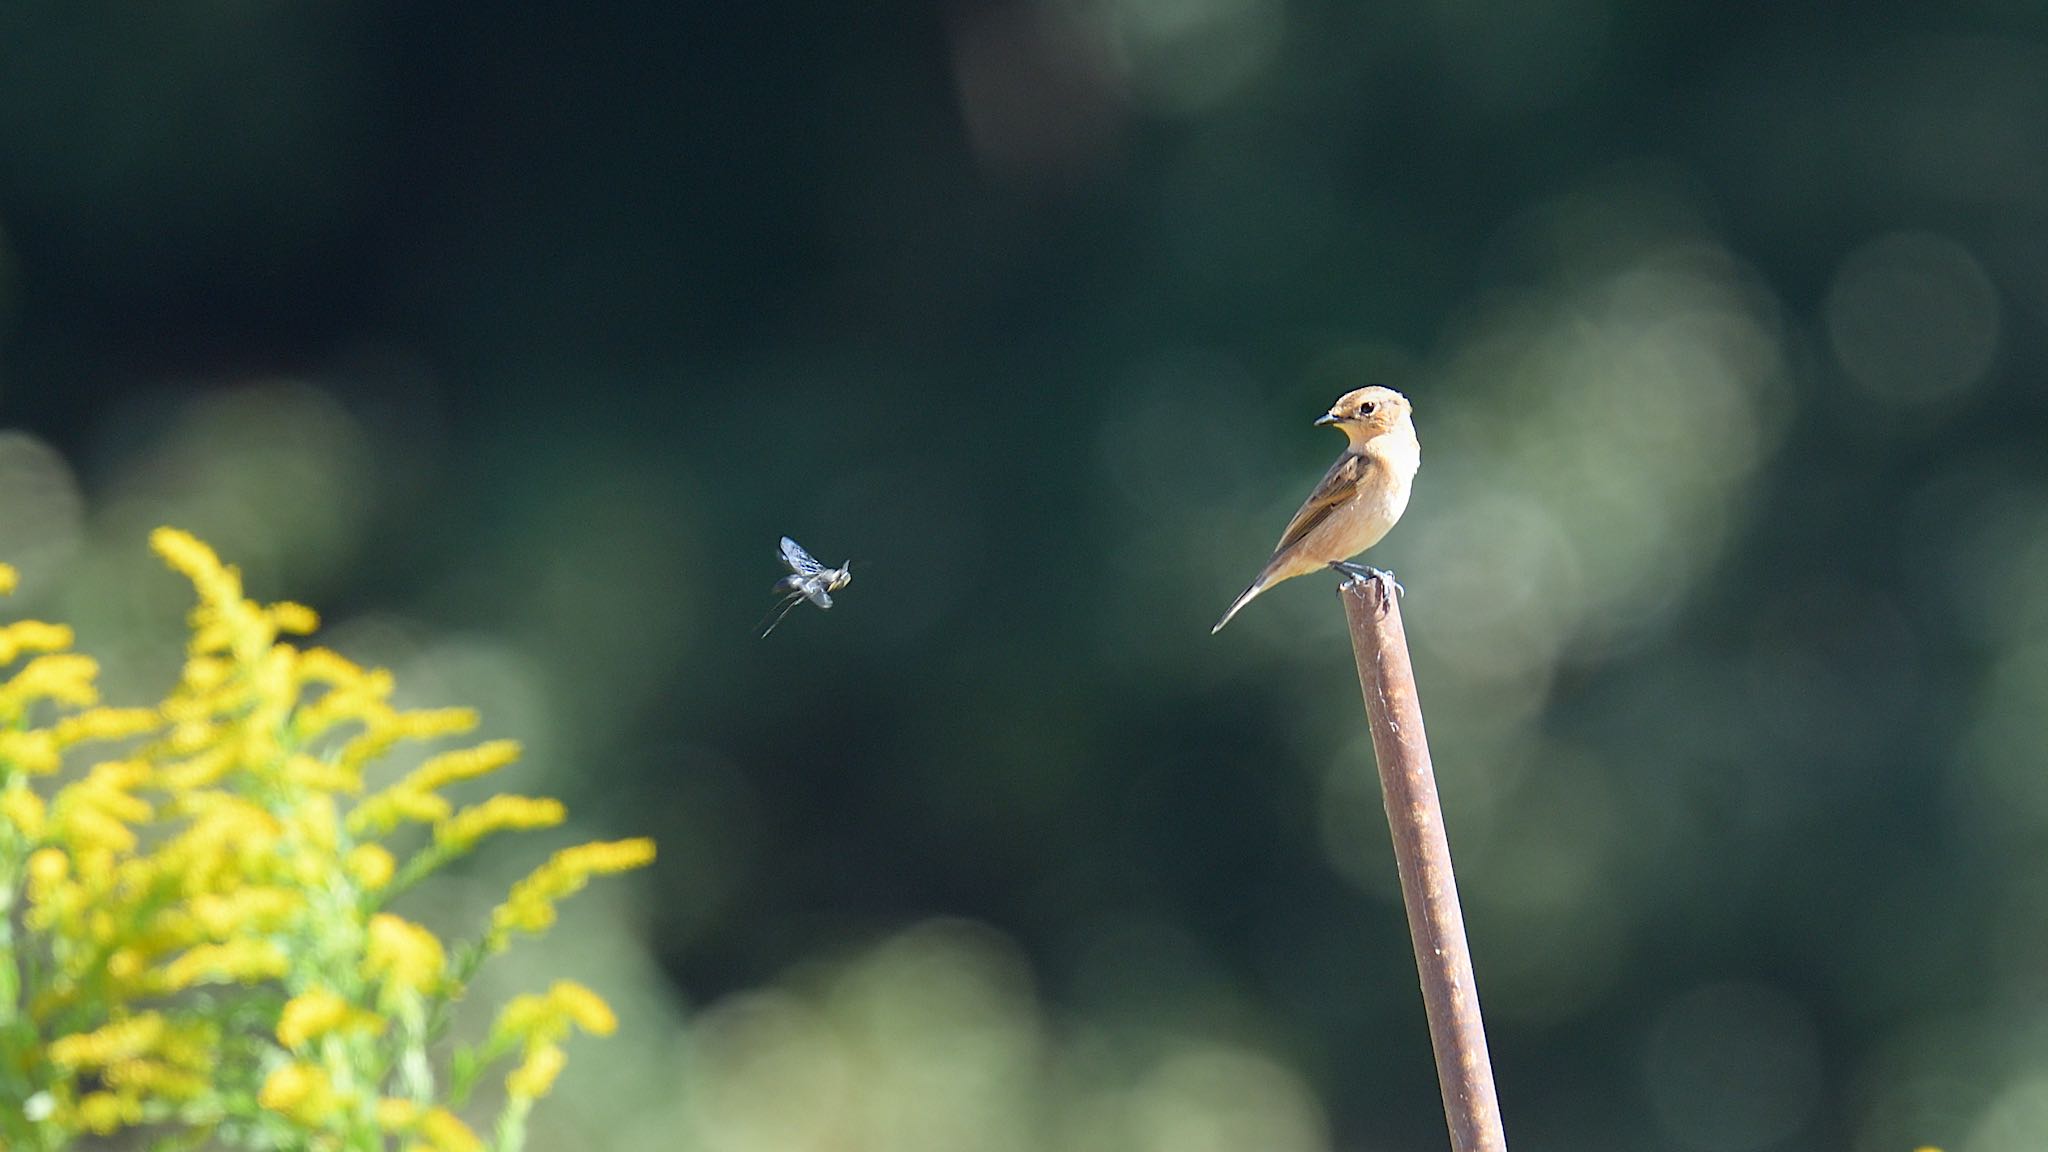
[520, 332]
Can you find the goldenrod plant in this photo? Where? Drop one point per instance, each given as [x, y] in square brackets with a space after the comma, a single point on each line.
[197, 941]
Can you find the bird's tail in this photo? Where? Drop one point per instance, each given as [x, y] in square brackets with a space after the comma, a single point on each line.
[1257, 586]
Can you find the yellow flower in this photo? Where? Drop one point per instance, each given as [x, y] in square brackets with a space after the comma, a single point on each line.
[536, 1074]
[34, 750]
[23, 809]
[313, 1014]
[141, 1059]
[321, 776]
[136, 1078]
[92, 815]
[439, 1129]
[229, 840]
[207, 674]
[388, 809]
[326, 666]
[197, 563]
[525, 1017]
[105, 724]
[371, 866]
[107, 784]
[463, 764]
[102, 1113]
[223, 621]
[530, 907]
[8, 579]
[384, 727]
[403, 955]
[351, 693]
[538, 1024]
[200, 771]
[301, 1092]
[192, 1044]
[192, 726]
[109, 796]
[444, 1132]
[124, 965]
[535, 1020]
[219, 851]
[293, 619]
[64, 677]
[244, 910]
[585, 1008]
[396, 1115]
[90, 829]
[461, 831]
[242, 961]
[121, 1040]
[47, 867]
[427, 723]
[32, 636]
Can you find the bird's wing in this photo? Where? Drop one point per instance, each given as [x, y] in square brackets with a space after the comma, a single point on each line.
[799, 561]
[818, 595]
[1339, 484]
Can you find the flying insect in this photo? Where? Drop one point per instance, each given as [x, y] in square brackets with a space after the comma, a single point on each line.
[807, 580]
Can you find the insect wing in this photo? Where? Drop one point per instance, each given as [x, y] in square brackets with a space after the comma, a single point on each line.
[799, 561]
[809, 580]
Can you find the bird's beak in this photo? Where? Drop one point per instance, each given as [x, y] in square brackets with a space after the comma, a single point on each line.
[1328, 418]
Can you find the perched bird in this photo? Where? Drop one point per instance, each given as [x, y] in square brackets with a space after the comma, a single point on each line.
[807, 580]
[1365, 491]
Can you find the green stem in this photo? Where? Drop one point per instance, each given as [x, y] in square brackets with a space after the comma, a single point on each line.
[467, 961]
[412, 872]
[511, 1135]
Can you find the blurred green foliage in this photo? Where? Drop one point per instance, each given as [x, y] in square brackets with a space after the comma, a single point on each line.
[514, 336]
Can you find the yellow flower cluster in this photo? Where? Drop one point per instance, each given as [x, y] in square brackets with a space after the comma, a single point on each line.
[531, 906]
[538, 1024]
[229, 845]
[315, 1013]
[406, 959]
[433, 1129]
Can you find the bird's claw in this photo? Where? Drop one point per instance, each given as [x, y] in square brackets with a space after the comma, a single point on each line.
[1368, 573]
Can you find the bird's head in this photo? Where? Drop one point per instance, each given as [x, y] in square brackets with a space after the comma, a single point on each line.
[1367, 412]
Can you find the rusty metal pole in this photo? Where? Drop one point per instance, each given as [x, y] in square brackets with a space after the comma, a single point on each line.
[1422, 852]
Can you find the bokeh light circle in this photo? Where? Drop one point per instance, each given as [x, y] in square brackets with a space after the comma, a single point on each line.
[1733, 1067]
[1912, 317]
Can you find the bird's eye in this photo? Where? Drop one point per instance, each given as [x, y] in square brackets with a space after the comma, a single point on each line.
[1366, 408]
